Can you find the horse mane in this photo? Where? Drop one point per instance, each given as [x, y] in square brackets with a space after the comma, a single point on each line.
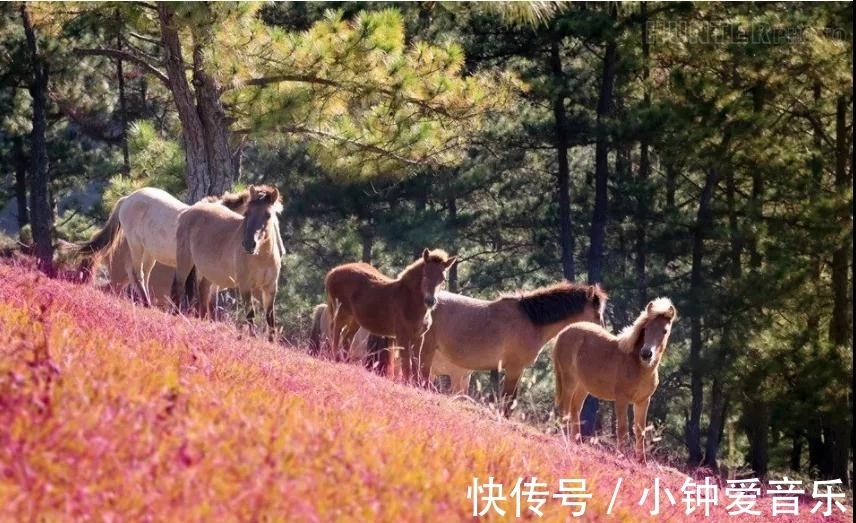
[556, 302]
[232, 201]
[436, 255]
[629, 337]
[264, 193]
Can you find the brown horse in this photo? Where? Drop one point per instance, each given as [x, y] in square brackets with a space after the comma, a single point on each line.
[366, 346]
[508, 332]
[228, 250]
[361, 296]
[623, 368]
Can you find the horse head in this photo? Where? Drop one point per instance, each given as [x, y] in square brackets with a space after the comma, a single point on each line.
[263, 204]
[652, 344]
[435, 264]
[597, 299]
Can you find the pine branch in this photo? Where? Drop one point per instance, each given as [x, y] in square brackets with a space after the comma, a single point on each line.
[124, 55]
[267, 80]
[363, 146]
[144, 38]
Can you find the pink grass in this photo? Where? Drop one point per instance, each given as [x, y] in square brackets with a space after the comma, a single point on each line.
[112, 412]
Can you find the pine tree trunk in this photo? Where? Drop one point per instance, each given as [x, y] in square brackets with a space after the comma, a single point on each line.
[840, 329]
[453, 224]
[563, 176]
[123, 105]
[20, 163]
[697, 292]
[716, 424]
[215, 126]
[41, 212]
[644, 192]
[756, 418]
[197, 168]
[597, 235]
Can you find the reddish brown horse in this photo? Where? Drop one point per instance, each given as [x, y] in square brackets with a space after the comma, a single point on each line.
[376, 354]
[590, 360]
[361, 296]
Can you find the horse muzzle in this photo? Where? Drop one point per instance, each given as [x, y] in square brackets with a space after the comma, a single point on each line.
[646, 355]
[250, 248]
[430, 301]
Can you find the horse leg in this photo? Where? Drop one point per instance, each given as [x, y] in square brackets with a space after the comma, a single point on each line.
[640, 416]
[460, 379]
[247, 303]
[338, 318]
[425, 357]
[509, 390]
[410, 354]
[203, 293]
[575, 406]
[182, 286]
[561, 397]
[135, 273]
[267, 303]
[620, 423]
[148, 265]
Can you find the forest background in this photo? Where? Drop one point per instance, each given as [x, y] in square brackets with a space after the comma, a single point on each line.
[696, 151]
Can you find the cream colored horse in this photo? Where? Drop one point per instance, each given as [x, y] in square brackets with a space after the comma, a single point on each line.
[147, 218]
[160, 278]
[508, 332]
[144, 223]
[227, 250]
[320, 342]
[590, 360]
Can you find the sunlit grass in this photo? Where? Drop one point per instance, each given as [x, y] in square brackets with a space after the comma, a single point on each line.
[112, 412]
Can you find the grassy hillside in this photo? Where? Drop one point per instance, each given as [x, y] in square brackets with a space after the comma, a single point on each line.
[111, 412]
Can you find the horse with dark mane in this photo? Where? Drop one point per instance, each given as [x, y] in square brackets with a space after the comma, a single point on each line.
[508, 332]
[590, 360]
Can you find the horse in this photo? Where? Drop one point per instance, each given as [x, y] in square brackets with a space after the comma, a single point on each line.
[508, 332]
[160, 278]
[361, 296]
[145, 223]
[226, 249]
[590, 360]
[376, 353]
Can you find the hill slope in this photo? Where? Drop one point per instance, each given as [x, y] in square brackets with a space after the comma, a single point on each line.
[113, 412]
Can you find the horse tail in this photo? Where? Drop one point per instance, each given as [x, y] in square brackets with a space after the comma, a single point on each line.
[104, 242]
[316, 329]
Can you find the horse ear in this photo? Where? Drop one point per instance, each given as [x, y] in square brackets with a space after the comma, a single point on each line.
[673, 313]
[425, 253]
[451, 261]
[273, 196]
[649, 308]
[245, 197]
